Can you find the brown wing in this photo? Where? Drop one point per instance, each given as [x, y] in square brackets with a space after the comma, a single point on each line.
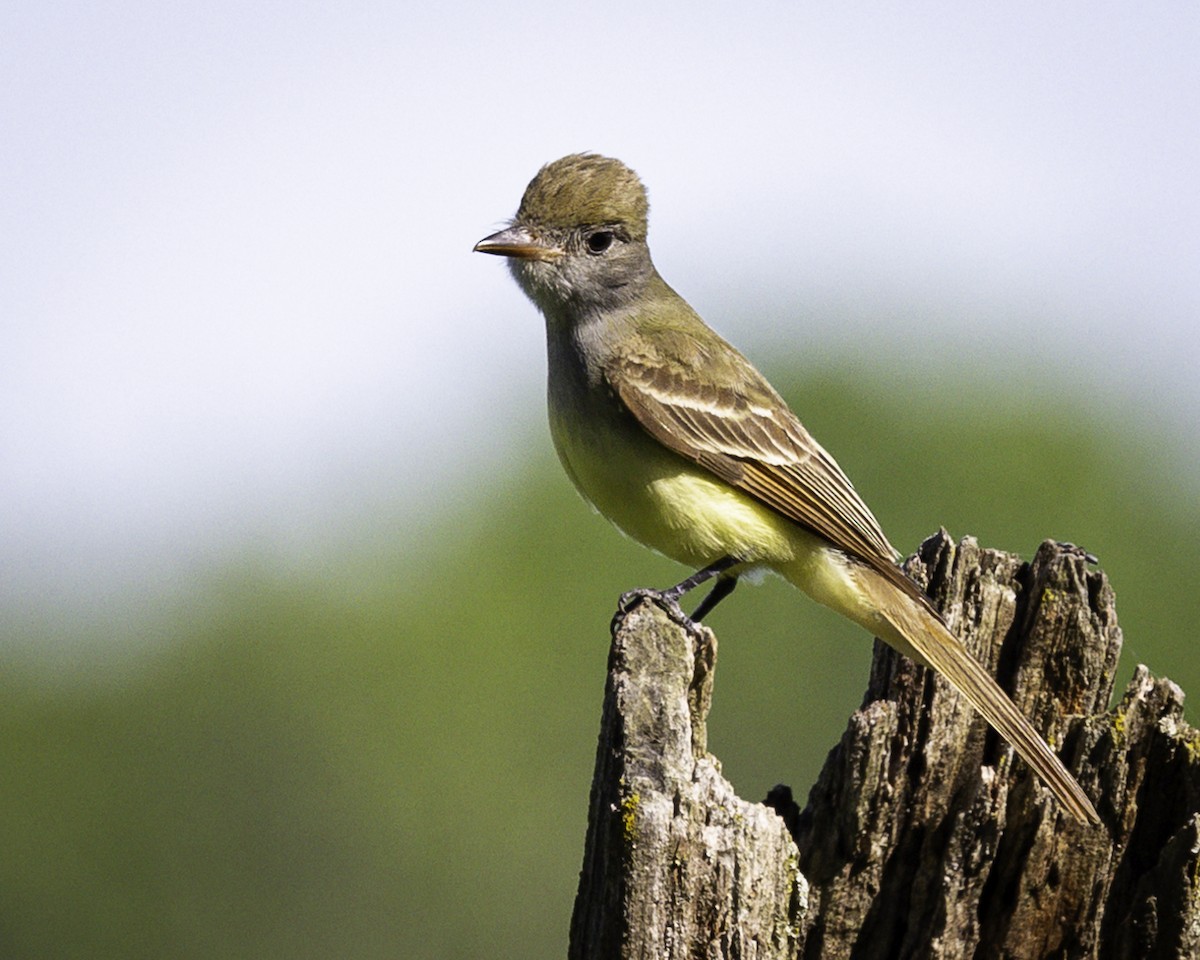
[746, 435]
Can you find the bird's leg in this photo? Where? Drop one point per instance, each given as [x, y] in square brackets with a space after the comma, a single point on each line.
[671, 595]
[700, 576]
[721, 589]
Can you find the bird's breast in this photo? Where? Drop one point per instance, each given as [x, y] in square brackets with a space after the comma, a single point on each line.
[654, 495]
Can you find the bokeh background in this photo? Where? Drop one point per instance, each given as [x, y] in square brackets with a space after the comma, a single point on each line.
[303, 632]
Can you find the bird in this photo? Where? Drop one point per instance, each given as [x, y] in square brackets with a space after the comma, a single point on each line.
[675, 437]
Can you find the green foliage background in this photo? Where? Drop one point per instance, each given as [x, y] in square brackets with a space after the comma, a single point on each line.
[393, 759]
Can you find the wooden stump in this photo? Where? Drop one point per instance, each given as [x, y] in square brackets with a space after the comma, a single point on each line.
[924, 835]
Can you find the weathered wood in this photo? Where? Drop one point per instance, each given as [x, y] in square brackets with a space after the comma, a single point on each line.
[924, 836]
[676, 865]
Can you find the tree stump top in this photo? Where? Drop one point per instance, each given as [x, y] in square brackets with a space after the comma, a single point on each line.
[924, 835]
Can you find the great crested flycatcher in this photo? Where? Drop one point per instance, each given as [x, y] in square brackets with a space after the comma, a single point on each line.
[672, 435]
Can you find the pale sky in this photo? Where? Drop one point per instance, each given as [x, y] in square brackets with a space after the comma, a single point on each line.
[237, 298]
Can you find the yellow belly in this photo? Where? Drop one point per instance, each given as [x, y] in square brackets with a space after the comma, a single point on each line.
[681, 510]
[669, 504]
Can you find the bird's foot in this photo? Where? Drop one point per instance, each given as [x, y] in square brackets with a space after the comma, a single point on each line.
[1076, 551]
[668, 599]
[665, 600]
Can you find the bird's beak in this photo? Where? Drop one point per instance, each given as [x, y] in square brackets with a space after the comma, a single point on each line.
[517, 241]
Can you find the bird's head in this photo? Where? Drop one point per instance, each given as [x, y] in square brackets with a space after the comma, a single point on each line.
[578, 241]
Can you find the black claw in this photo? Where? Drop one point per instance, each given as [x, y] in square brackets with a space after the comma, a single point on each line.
[1077, 551]
[662, 598]
[632, 598]
[669, 599]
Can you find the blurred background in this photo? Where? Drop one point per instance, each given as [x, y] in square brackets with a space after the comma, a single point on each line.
[303, 631]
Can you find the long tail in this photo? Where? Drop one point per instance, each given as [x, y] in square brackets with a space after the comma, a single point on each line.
[922, 634]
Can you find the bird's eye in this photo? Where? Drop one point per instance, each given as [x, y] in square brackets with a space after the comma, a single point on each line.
[599, 241]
